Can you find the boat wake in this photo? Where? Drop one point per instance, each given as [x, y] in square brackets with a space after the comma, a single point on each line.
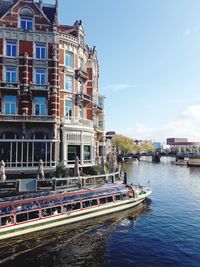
[77, 244]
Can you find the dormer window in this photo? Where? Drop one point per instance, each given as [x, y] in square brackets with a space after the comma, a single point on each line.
[26, 19]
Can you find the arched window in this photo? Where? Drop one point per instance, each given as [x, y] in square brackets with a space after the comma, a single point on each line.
[26, 19]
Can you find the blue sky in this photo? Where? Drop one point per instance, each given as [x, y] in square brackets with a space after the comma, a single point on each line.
[149, 57]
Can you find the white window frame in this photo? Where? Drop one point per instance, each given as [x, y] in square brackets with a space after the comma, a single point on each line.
[26, 19]
[72, 58]
[40, 104]
[5, 74]
[10, 103]
[35, 73]
[12, 45]
[72, 84]
[66, 108]
[40, 46]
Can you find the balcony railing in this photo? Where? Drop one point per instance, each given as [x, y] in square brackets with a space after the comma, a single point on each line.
[82, 73]
[73, 121]
[27, 118]
[99, 126]
[84, 97]
[39, 86]
[9, 85]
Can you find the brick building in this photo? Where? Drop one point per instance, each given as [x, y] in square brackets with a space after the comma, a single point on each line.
[50, 107]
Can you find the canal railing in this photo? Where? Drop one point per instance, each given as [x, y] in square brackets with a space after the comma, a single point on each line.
[69, 183]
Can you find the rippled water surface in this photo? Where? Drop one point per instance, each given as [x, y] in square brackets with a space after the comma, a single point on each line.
[165, 234]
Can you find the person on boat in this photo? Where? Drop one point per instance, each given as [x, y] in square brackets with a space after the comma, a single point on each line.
[40, 174]
[2, 171]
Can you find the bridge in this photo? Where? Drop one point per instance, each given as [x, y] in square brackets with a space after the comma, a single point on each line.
[156, 156]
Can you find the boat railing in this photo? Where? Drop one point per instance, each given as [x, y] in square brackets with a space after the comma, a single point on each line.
[76, 182]
[70, 183]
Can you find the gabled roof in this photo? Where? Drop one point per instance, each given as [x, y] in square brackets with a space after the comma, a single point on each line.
[48, 10]
[68, 29]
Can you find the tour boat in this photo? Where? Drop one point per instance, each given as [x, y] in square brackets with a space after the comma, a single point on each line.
[28, 213]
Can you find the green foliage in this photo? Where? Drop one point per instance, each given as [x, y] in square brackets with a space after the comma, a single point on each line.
[148, 147]
[95, 170]
[61, 170]
[50, 175]
[122, 143]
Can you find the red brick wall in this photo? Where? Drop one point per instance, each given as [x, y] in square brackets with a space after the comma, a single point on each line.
[26, 46]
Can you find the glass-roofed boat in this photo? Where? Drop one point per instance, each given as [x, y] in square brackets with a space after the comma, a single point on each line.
[20, 215]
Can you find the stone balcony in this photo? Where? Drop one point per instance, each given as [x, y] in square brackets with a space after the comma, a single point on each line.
[99, 126]
[9, 85]
[81, 73]
[84, 98]
[27, 118]
[39, 87]
[77, 122]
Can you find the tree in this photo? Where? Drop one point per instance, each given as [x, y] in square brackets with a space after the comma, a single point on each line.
[123, 144]
[148, 147]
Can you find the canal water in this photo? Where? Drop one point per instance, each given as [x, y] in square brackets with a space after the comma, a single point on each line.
[166, 233]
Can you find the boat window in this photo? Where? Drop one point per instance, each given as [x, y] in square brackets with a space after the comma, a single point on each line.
[22, 217]
[56, 210]
[117, 197]
[6, 210]
[110, 199]
[93, 202]
[33, 215]
[46, 212]
[73, 206]
[102, 200]
[86, 204]
[124, 196]
[6, 220]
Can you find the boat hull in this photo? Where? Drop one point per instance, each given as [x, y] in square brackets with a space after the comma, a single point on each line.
[69, 218]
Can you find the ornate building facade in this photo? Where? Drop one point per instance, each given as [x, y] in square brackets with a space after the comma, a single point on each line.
[50, 107]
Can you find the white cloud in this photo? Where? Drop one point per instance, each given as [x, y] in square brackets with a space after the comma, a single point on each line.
[191, 30]
[119, 87]
[186, 125]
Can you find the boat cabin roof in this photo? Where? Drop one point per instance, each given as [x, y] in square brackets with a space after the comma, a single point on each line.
[72, 196]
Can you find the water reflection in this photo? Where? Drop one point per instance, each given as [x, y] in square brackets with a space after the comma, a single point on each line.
[82, 244]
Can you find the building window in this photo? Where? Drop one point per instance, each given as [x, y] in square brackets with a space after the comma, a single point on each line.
[10, 104]
[11, 48]
[80, 62]
[40, 51]
[69, 59]
[80, 112]
[73, 151]
[26, 23]
[80, 87]
[87, 152]
[11, 74]
[68, 109]
[40, 76]
[40, 106]
[69, 83]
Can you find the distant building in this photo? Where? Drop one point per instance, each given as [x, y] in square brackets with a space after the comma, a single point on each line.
[172, 141]
[182, 145]
[157, 146]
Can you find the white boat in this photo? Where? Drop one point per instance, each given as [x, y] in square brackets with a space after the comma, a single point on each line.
[21, 215]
